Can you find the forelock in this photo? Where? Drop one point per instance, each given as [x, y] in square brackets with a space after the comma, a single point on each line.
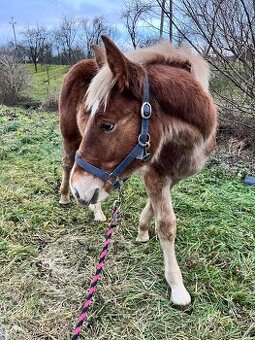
[100, 88]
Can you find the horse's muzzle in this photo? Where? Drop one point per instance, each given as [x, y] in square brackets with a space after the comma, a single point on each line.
[93, 200]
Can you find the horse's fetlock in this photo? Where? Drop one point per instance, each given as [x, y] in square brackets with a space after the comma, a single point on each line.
[143, 226]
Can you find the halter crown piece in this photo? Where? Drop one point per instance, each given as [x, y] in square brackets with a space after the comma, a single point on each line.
[140, 150]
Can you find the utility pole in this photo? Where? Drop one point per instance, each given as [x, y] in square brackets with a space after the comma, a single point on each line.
[13, 23]
[171, 21]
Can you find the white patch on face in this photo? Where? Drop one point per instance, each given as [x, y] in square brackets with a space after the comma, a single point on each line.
[95, 108]
[86, 185]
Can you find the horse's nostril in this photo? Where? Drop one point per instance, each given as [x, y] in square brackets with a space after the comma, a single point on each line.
[94, 197]
[76, 193]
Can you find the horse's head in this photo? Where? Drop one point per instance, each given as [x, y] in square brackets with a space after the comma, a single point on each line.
[113, 105]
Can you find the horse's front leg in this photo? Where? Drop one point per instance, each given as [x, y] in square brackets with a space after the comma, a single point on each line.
[144, 223]
[67, 164]
[159, 193]
[98, 212]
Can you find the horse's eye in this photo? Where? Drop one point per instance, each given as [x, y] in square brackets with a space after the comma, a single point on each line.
[106, 126]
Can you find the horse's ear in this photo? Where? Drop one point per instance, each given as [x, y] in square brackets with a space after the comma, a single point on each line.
[99, 55]
[128, 74]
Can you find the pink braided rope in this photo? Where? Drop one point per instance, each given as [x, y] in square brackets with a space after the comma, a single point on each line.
[99, 269]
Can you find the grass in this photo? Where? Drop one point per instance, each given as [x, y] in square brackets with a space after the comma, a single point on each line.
[48, 253]
[44, 82]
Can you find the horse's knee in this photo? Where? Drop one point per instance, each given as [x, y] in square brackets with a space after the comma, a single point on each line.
[70, 147]
[67, 163]
[167, 229]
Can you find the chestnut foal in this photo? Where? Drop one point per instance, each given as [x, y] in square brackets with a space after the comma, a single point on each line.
[148, 110]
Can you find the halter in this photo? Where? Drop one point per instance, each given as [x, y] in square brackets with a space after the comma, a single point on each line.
[140, 150]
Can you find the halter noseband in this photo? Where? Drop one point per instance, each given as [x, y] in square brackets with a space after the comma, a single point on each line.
[140, 151]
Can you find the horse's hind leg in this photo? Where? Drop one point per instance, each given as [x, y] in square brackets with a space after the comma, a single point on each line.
[70, 148]
[144, 223]
[159, 192]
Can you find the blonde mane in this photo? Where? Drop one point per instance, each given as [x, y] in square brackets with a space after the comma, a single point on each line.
[102, 84]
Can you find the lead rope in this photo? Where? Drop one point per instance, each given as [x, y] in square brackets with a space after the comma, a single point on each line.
[99, 269]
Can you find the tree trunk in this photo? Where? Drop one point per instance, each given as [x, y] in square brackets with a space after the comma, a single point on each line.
[162, 19]
[35, 63]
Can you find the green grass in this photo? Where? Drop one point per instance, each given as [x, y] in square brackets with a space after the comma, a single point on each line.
[48, 253]
[39, 80]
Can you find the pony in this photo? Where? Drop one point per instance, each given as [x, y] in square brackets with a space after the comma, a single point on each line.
[146, 111]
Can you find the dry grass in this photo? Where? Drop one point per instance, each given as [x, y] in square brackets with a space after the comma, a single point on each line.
[48, 254]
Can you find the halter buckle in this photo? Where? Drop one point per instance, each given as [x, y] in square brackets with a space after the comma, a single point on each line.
[114, 180]
[146, 110]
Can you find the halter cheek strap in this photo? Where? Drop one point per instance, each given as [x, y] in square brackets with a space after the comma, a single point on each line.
[140, 151]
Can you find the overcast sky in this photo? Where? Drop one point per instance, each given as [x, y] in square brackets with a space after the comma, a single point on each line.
[49, 12]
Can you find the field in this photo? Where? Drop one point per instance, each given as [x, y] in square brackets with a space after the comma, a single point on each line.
[46, 81]
[48, 253]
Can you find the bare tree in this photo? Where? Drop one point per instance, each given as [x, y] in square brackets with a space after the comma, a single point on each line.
[92, 29]
[13, 78]
[132, 13]
[65, 37]
[56, 39]
[224, 32]
[34, 38]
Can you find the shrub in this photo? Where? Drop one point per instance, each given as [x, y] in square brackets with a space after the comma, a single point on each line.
[13, 78]
[51, 102]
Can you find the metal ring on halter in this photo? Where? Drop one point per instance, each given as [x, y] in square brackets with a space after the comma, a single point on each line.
[114, 177]
[146, 110]
[147, 143]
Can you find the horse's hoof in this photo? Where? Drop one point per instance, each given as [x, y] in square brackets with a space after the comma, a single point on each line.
[180, 298]
[143, 238]
[64, 200]
[100, 217]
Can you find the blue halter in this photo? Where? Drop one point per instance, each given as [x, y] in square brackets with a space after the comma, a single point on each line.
[140, 151]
